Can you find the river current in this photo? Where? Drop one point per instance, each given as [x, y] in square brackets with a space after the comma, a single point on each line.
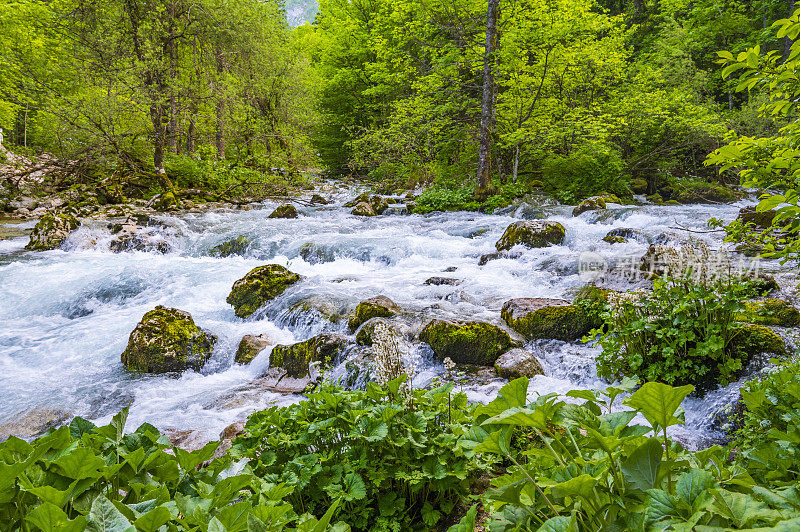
[65, 315]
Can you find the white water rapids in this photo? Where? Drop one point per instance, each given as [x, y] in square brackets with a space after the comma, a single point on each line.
[65, 315]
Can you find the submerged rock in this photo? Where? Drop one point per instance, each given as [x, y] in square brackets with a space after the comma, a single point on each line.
[374, 307]
[365, 333]
[133, 235]
[498, 255]
[315, 254]
[166, 340]
[51, 231]
[259, 286]
[250, 346]
[234, 246]
[622, 235]
[467, 342]
[442, 281]
[544, 318]
[287, 210]
[295, 359]
[759, 219]
[33, 423]
[532, 234]
[363, 209]
[516, 363]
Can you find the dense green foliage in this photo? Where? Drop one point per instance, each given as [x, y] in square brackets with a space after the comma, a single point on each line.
[84, 477]
[597, 470]
[769, 162]
[391, 457]
[682, 332]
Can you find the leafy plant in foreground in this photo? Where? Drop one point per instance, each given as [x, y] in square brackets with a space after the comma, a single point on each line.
[394, 460]
[597, 470]
[99, 478]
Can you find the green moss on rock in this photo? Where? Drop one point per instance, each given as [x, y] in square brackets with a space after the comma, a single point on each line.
[533, 234]
[543, 318]
[475, 342]
[295, 359]
[167, 340]
[250, 346]
[374, 307]
[287, 210]
[51, 231]
[772, 312]
[234, 246]
[259, 286]
[593, 203]
[167, 201]
[754, 340]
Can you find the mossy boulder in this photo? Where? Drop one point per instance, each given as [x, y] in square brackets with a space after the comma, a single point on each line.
[51, 231]
[316, 199]
[374, 307]
[516, 363]
[700, 192]
[547, 319]
[467, 342]
[287, 210]
[594, 203]
[759, 219]
[625, 234]
[755, 340]
[165, 202]
[167, 340]
[250, 346]
[613, 239]
[532, 234]
[366, 333]
[259, 286]
[639, 186]
[234, 246]
[363, 209]
[772, 312]
[295, 359]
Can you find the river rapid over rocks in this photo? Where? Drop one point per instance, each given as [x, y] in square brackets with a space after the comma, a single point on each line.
[65, 315]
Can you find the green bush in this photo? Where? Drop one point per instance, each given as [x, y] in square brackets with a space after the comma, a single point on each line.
[98, 478]
[443, 198]
[591, 468]
[591, 170]
[680, 333]
[768, 441]
[392, 458]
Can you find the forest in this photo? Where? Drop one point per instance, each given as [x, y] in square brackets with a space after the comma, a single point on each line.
[390, 265]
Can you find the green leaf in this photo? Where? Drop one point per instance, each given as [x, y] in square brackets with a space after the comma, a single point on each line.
[559, 523]
[50, 517]
[104, 517]
[581, 486]
[640, 469]
[740, 508]
[513, 394]
[152, 520]
[659, 402]
[692, 485]
[354, 487]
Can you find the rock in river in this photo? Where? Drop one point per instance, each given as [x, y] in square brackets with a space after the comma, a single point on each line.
[532, 234]
[467, 342]
[259, 286]
[543, 318]
[51, 231]
[287, 210]
[295, 359]
[166, 340]
[250, 346]
[374, 307]
[516, 363]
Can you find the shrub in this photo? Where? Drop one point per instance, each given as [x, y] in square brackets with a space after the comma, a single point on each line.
[392, 456]
[98, 478]
[591, 468]
[769, 438]
[591, 170]
[680, 333]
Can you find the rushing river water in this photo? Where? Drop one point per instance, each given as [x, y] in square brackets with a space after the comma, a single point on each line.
[65, 315]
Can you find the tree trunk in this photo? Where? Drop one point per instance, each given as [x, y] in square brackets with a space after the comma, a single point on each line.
[220, 137]
[487, 105]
